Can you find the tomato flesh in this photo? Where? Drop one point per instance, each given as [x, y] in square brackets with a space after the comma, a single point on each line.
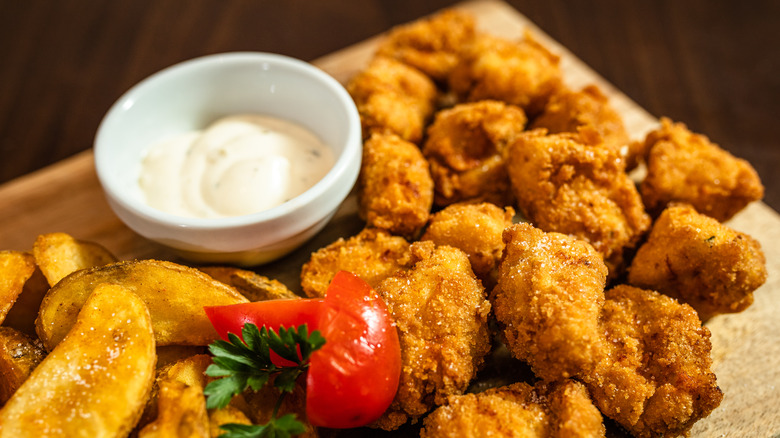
[353, 378]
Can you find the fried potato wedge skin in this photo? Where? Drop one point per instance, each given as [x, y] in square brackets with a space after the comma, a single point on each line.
[22, 314]
[181, 412]
[15, 268]
[174, 294]
[59, 254]
[250, 284]
[19, 355]
[96, 382]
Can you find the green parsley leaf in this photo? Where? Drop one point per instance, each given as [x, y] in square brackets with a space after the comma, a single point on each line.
[245, 362]
[282, 427]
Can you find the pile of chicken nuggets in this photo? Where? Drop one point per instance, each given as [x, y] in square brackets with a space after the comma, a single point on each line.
[502, 218]
[499, 210]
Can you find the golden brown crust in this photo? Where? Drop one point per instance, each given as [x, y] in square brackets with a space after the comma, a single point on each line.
[548, 298]
[465, 147]
[372, 255]
[656, 379]
[441, 313]
[570, 184]
[19, 355]
[557, 410]
[393, 97]
[395, 188]
[522, 73]
[686, 167]
[698, 260]
[569, 111]
[475, 229]
[431, 45]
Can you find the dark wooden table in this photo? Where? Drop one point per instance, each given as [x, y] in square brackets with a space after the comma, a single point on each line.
[713, 65]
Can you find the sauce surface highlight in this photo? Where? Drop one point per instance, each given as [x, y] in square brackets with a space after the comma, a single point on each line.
[239, 165]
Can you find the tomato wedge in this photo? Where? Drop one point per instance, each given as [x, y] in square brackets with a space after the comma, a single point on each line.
[231, 318]
[271, 314]
[353, 378]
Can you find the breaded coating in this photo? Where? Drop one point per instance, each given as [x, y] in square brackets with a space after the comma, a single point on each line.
[372, 255]
[570, 184]
[548, 299]
[465, 147]
[432, 44]
[441, 313]
[568, 111]
[699, 261]
[393, 97]
[686, 167]
[394, 188]
[522, 73]
[561, 409]
[475, 229]
[656, 379]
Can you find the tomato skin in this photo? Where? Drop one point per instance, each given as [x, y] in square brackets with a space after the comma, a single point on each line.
[353, 378]
[272, 314]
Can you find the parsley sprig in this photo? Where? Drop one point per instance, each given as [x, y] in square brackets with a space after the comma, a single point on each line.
[245, 362]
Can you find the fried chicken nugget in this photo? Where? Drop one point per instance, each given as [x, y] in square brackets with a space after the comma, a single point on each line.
[523, 73]
[395, 188]
[686, 167]
[656, 379]
[465, 147]
[699, 261]
[548, 298]
[441, 313]
[432, 44]
[570, 184]
[546, 410]
[393, 97]
[569, 110]
[373, 255]
[475, 229]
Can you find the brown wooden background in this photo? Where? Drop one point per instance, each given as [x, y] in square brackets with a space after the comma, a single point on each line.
[712, 64]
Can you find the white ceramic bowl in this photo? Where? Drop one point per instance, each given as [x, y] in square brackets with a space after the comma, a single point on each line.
[189, 96]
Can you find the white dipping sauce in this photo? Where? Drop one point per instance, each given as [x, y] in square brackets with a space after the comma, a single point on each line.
[239, 165]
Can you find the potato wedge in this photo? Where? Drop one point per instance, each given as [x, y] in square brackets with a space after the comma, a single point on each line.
[181, 412]
[252, 285]
[59, 254]
[19, 355]
[174, 294]
[15, 268]
[24, 311]
[228, 415]
[96, 382]
[169, 354]
[190, 371]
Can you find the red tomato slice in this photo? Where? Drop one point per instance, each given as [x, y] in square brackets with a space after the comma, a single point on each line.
[353, 378]
[271, 314]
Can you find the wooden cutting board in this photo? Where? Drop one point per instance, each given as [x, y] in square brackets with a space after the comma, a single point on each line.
[746, 347]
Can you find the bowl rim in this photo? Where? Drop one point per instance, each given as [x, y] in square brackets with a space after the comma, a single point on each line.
[343, 162]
